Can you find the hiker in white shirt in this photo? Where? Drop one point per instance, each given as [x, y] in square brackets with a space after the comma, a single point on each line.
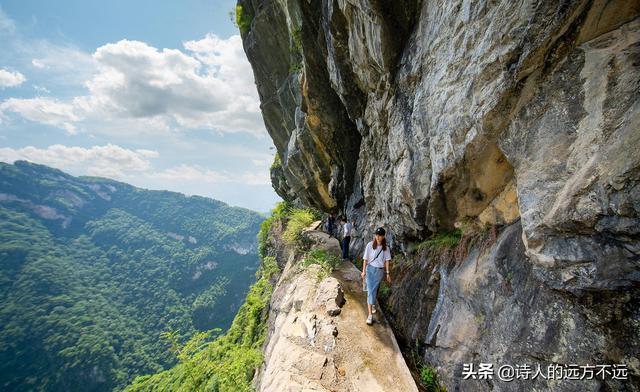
[346, 236]
[376, 259]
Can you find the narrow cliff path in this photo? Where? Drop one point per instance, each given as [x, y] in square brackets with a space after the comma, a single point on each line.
[309, 350]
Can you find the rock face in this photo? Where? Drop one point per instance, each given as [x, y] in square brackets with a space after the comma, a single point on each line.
[331, 296]
[426, 115]
[487, 304]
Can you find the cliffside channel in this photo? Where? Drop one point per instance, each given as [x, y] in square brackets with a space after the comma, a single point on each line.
[496, 141]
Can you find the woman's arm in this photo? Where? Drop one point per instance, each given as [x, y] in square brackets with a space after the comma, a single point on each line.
[387, 268]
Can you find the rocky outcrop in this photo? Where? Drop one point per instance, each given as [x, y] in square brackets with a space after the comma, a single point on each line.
[423, 116]
[483, 302]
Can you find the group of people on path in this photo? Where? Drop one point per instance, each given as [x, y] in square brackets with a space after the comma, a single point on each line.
[375, 260]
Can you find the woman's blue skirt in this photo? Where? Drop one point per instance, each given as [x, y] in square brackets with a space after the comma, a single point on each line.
[373, 278]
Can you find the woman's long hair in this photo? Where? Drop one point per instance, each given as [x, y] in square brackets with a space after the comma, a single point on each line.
[384, 243]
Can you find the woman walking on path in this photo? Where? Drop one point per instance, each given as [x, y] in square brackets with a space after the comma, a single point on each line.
[346, 237]
[375, 266]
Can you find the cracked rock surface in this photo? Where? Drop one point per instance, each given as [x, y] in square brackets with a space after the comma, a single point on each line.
[427, 115]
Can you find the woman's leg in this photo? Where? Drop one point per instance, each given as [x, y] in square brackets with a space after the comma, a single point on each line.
[347, 242]
[374, 277]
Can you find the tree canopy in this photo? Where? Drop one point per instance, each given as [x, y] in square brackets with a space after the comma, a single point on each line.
[94, 272]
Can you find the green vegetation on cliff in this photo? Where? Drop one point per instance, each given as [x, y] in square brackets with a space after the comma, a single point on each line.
[298, 220]
[228, 362]
[429, 379]
[279, 213]
[321, 257]
[94, 271]
[244, 17]
[441, 241]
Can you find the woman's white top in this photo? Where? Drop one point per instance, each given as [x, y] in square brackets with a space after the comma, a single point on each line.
[376, 257]
[347, 228]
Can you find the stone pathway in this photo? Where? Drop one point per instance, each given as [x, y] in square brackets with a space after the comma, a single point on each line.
[308, 349]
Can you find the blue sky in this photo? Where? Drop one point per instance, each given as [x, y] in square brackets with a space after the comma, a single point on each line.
[155, 93]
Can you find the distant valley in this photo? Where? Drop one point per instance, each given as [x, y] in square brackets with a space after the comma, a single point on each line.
[93, 271]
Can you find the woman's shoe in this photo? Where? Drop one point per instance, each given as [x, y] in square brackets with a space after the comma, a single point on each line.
[370, 320]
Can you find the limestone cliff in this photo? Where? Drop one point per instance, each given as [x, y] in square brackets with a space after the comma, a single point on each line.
[425, 116]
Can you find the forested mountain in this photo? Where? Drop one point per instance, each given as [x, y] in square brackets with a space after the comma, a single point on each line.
[93, 271]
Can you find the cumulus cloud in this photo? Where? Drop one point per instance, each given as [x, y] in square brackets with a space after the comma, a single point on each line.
[110, 161]
[226, 60]
[211, 86]
[44, 110]
[208, 85]
[11, 79]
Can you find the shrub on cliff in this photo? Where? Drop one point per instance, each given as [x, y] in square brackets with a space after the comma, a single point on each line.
[280, 212]
[269, 268]
[321, 257]
[441, 241]
[276, 164]
[429, 378]
[244, 17]
[299, 220]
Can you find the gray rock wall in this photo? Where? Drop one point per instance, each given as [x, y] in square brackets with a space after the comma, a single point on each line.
[484, 302]
[423, 116]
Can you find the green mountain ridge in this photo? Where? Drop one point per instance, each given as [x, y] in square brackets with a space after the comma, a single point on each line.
[95, 270]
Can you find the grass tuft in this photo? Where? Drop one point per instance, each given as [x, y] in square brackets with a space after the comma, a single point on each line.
[326, 261]
[429, 378]
[441, 241]
[299, 219]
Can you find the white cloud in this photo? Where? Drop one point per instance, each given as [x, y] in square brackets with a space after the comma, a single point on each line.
[62, 64]
[41, 89]
[191, 173]
[116, 162]
[110, 161]
[213, 88]
[137, 87]
[226, 60]
[255, 178]
[148, 153]
[38, 64]
[44, 110]
[11, 79]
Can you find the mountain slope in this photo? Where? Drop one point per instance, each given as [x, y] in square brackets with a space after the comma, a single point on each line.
[94, 270]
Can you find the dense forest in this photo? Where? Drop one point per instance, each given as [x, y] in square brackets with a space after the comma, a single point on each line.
[217, 362]
[99, 279]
